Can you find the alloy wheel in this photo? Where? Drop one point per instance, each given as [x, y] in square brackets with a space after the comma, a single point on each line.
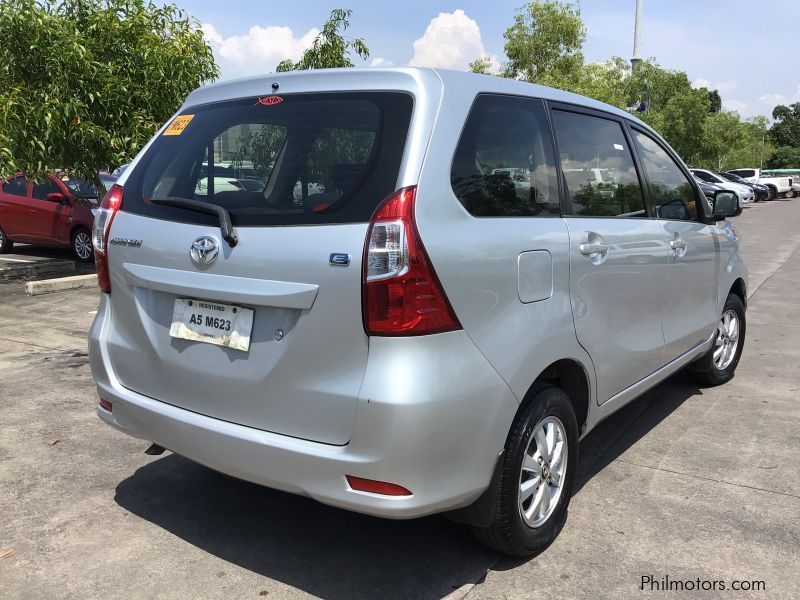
[544, 468]
[83, 245]
[727, 340]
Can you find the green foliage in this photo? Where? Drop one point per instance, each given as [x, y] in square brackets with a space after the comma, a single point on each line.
[681, 121]
[721, 134]
[607, 81]
[544, 44]
[714, 101]
[786, 129]
[785, 157]
[730, 143]
[481, 65]
[86, 83]
[330, 49]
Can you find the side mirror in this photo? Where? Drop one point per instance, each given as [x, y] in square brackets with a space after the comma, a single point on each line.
[58, 197]
[726, 204]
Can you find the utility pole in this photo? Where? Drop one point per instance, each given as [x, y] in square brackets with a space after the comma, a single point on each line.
[637, 32]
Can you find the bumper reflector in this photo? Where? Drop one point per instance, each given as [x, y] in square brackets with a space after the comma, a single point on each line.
[105, 404]
[376, 487]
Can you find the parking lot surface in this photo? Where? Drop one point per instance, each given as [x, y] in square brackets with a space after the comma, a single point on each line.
[35, 262]
[685, 482]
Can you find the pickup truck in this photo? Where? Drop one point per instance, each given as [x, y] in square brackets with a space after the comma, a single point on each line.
[781, 185]
[793, 174]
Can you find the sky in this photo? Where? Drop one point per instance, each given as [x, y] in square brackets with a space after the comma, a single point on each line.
[749, 51]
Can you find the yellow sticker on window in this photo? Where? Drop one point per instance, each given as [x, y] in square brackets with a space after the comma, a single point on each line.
[178, 125]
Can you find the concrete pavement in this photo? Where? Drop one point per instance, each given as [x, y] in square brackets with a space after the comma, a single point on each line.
[684, 482]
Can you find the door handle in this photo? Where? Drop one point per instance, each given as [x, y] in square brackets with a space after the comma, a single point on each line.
[677, 244]
[589, 249]
[678, 248]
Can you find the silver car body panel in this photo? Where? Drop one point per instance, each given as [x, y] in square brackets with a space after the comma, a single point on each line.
[430, 413]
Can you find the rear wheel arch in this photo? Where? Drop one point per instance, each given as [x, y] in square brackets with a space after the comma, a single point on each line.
[76, 228]
[568, 375]
[739, 288]
[572, 378]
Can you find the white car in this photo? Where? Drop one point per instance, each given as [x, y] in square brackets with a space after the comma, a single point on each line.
[779, 184]
[745, 192]
[221, 184]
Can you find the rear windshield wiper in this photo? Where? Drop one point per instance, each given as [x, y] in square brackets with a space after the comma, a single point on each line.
[225, 224]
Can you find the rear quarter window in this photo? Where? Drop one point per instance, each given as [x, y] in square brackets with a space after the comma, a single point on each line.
[308, 159]
[504, 164]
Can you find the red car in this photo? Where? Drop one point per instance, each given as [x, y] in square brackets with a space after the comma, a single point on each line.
[56, 212]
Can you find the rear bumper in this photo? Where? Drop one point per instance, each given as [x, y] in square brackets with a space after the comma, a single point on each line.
[432, 416]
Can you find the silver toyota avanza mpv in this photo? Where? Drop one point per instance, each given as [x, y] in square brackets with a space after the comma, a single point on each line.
[406, 291]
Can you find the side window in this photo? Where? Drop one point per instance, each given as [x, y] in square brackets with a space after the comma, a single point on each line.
[598, 167]
[40, 190]
[672, 193]
[703, 176]
[16, 187]
[504, 165]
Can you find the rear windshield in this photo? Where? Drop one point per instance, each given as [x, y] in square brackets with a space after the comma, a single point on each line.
[305, 159]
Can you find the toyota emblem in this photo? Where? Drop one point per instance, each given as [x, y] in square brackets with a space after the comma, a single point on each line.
[204, 250]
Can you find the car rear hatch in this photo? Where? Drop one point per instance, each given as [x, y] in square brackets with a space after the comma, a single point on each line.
[181, 330]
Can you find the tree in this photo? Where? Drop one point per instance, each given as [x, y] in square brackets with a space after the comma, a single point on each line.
[785, 134]
[785, 157]
[605, 81]
[330, 49]
[673, 107]
[544, 44]
[714, 101]
[482, 65]
[86, 83]
[722, 134]
[786, 129]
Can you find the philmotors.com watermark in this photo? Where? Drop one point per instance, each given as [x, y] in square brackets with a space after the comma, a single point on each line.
[665, 583]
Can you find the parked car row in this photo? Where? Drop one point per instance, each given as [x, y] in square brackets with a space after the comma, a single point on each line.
[781, 184]
[750, 185]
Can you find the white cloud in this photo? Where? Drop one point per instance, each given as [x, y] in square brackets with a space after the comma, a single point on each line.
[259, 50]
[722, 87]
[736, 105]
[211, 34]
[772, 99]
[452, 41]
[380, 62]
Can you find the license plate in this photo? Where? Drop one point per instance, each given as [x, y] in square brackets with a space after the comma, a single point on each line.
[213, 323]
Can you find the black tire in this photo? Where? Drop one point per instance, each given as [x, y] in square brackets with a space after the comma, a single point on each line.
[704, 370]
[6, 245]
[509, 533]
[80, 238]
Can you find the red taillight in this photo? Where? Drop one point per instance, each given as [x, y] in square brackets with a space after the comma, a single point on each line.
[376, 487]
[401, 294]
[102, 227]
[106, 405]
